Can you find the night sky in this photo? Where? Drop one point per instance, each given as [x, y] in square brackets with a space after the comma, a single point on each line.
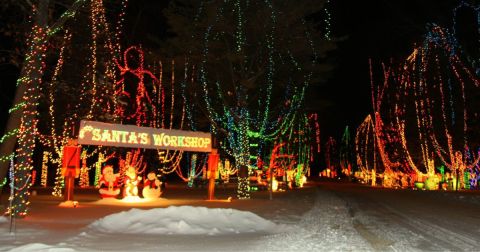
[378, 29]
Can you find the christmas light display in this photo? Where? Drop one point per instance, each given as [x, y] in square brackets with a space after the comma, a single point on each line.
[84, 177]
[226, 170]
[331, 154]
[439, 44]
[192, 174]
[26, 100]
[195, 166]
[55, 141]
[473, 173]
[59, 182]
[247, 129]
[385, 134]
[11, 176]
[151, 186]
[108, 183]
[230, 83]
[44, 175]
[429, 113]
[149, 106]
[314, 117]
[106, 134]
[275, 166]
[52, 140]
[365, 149]
[100, 77]
[346, 153]
[4, 182]
[142, 97]
[131, 168]
[243, 191]
[98, 166]
[328, 21]
[29, 120]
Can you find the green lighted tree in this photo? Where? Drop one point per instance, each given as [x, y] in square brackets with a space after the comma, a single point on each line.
[346, 151]
[255, 61]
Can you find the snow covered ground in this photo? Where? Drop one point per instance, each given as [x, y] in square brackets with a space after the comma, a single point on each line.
[322, 217]
[303, 220]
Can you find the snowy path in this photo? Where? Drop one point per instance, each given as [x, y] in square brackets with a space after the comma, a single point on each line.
[326, 227]
[399, 220]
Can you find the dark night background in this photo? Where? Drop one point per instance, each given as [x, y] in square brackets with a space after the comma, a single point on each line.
[379, 29]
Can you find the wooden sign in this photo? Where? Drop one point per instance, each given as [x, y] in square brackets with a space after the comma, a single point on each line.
[131, 136]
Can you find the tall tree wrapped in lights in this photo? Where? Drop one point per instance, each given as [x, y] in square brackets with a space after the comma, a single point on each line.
[331, 154]
[22, 123]
[299, 145]
[346, 152]
[365, 148]
[432, 93]
[94, 98]
[444, 88]
[34, 84]
[255, 60]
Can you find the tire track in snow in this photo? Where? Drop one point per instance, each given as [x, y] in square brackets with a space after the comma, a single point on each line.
[326, 227]
[454, 241]
[388, 228]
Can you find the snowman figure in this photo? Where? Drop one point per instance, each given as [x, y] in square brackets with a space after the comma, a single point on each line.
[152, 186]
[108, 183]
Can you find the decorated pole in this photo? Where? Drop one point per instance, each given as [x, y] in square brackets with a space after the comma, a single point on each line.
[274, 155]
[213, 158]
[70, 167]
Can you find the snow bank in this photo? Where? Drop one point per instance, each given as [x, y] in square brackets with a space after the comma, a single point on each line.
[184, 220]
[40, 247]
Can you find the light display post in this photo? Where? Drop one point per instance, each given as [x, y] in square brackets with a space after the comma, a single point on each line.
[213, 158]
[70, 167]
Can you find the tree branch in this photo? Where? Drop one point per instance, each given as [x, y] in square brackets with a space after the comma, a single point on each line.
[65, 16]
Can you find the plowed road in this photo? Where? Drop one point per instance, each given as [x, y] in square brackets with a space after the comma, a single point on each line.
[393, 220]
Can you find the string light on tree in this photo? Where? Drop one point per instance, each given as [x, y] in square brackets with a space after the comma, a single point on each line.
[44, 175]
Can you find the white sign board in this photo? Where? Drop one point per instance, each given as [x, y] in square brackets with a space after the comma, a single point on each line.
[131, 136]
